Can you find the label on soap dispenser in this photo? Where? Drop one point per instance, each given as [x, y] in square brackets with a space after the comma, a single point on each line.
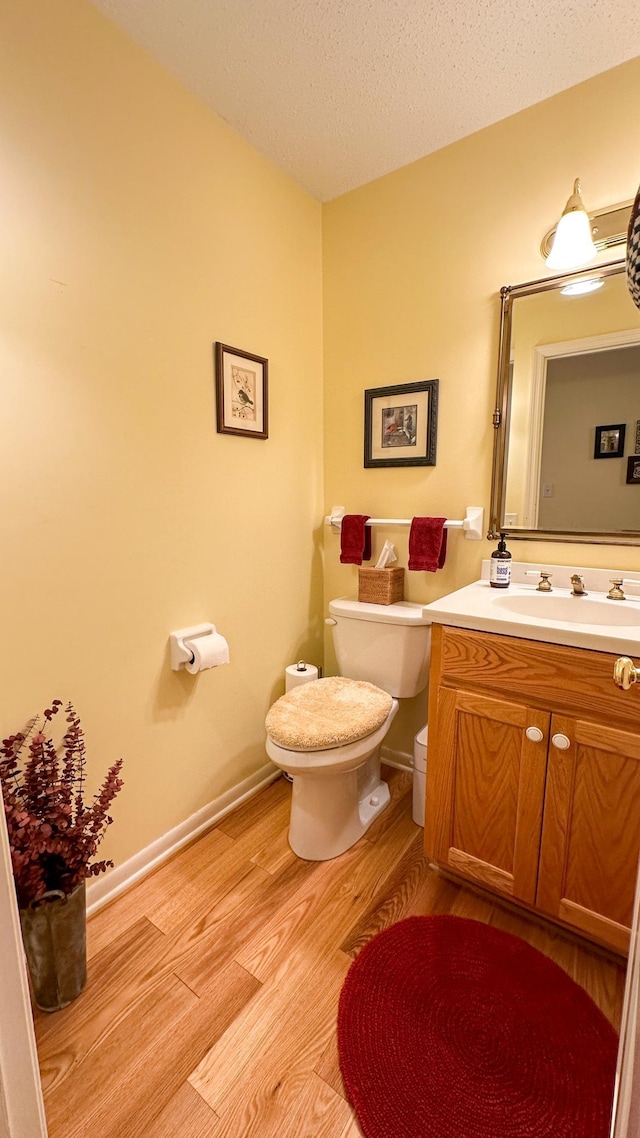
[500, 571]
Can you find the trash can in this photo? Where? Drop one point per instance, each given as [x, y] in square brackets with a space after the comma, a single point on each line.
[419, 775]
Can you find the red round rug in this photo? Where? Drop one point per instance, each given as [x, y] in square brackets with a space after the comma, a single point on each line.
[449, 1028]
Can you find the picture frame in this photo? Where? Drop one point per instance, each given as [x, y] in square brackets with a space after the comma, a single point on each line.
[241, 392]
[633, 470]
[609, 442]
[400, 424]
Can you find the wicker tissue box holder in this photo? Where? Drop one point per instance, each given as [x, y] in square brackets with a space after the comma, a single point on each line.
[381, 586]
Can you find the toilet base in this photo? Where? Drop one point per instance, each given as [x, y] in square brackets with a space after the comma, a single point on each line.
[329, 813]
[371, 807]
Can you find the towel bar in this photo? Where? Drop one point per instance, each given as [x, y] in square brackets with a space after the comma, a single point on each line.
[472, 524]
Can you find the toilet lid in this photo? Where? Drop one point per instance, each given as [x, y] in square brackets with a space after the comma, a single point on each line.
[327, 713]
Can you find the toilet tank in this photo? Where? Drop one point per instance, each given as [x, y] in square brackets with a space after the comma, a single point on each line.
[388, 645]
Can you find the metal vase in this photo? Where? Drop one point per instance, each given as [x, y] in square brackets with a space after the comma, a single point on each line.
[54, 935]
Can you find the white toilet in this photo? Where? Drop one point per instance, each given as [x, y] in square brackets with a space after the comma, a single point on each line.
[327, 733]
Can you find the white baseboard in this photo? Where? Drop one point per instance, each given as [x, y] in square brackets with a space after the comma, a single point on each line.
[397, 759]
[106, 888]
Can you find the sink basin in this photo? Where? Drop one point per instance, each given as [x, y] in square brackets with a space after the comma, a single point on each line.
[592, 621]
[572, 610]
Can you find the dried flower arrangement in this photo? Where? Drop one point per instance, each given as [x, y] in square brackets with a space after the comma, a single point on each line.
[53, 835]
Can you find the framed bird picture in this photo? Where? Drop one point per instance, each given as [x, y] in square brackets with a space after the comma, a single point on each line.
[400, 424]
[241, 392]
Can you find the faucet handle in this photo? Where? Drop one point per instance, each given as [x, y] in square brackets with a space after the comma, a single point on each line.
[543, 584]
[615, 592]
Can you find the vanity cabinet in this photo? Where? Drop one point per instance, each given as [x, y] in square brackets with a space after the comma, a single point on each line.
[533, 777]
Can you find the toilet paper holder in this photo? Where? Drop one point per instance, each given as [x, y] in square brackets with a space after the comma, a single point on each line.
[181, 653]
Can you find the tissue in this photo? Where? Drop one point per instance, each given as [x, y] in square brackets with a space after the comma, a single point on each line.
[208, 652]
[295, 675]
[387, 555]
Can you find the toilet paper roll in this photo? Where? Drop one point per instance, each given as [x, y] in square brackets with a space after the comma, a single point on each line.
[295, 675]
[208, 652]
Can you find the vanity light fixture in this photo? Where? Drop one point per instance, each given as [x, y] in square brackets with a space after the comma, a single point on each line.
[572, 244]
[578, 236]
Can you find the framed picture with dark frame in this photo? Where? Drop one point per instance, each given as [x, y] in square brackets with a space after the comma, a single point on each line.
[610, 441]
[633, 470]
[241, 392]
[400, 424]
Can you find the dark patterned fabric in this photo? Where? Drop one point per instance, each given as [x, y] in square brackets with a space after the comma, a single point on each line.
[633, 252]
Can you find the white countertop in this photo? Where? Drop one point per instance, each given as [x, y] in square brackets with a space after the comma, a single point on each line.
[520, 610]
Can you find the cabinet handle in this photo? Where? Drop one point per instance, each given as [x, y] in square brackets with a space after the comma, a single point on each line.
[625, 673]
[562, 742]
[534, 734]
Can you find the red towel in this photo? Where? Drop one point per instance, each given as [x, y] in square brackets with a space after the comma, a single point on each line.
[355, 539]
[427, 544]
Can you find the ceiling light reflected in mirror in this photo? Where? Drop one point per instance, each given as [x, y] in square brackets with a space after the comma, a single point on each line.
[579, 288]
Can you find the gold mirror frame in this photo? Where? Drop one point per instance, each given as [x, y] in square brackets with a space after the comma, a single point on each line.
[508, 294]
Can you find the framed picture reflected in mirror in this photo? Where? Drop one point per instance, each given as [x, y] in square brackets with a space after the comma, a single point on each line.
[610, 441]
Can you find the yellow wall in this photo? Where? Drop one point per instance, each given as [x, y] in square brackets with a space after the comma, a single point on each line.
[136, 229]
[413, 267]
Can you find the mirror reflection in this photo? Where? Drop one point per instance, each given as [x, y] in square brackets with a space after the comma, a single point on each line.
[569, 404]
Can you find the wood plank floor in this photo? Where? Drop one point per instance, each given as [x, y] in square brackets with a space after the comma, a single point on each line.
[213, 985]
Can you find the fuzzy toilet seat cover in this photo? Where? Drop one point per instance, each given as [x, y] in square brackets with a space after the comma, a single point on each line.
[327, 713]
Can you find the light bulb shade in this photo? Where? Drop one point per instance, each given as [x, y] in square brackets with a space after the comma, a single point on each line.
[573, 243]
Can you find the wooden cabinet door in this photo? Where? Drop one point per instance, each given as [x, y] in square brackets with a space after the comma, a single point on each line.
[591, 830]
[485, 791]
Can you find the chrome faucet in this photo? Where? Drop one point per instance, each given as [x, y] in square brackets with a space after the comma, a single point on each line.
[577, 586]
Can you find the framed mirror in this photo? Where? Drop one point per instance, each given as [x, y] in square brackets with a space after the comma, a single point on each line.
[568, 397]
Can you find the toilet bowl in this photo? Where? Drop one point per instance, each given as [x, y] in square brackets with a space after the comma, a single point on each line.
[337, 792]
[329, 739]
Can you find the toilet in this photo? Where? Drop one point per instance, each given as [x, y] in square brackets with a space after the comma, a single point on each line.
[327, 733]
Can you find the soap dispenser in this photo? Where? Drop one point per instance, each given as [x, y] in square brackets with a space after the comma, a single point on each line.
[500, 572]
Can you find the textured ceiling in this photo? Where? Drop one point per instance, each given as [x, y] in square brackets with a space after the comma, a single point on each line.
[338, 92]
